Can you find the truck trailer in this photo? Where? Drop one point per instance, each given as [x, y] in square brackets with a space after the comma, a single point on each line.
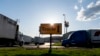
[27, 39]
[8, 31]
[87, 38]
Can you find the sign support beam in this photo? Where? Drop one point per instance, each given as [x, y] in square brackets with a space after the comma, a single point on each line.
[50, 49]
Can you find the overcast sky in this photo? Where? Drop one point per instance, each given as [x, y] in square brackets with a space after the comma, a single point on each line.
[81, 14]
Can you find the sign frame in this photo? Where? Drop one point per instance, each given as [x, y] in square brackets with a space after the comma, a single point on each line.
[46, 28]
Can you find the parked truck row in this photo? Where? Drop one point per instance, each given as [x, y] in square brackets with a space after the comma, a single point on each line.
[87, 38]
[10, 35]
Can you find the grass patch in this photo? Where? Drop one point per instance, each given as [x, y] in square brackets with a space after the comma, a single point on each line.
[55, 52]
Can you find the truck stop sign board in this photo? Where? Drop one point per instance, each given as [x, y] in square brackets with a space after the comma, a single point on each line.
[51, 29]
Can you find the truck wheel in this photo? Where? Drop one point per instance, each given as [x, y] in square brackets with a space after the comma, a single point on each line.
[66, 45]
[21, 43]
[89, 45]
[9, 44]
[35, 43]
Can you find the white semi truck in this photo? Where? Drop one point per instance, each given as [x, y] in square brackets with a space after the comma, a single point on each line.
[39, 40]
[8, 31]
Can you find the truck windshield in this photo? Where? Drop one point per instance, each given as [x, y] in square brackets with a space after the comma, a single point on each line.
[70, 36]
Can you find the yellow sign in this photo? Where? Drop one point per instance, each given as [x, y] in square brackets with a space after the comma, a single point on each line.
[51, 29]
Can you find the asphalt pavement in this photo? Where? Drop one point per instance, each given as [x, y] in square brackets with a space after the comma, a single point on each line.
[46, 45]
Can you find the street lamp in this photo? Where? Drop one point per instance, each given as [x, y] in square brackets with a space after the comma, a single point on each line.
[66, 24]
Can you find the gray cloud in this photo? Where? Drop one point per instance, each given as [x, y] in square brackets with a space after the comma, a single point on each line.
[91, 13]
[90, 5]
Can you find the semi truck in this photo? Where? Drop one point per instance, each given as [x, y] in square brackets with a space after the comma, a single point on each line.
[9, 31]
[39, 40]
[88, 38]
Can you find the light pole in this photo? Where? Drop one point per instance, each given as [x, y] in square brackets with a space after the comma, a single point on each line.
[66, 24]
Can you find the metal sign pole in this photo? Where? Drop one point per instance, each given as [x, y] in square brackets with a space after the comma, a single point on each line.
[50, 49]
[64, 22]
[48, 29]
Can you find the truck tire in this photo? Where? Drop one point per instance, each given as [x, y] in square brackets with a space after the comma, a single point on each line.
[35, 43]
[21, 43]
[66, 45]
[9, 44]
[89, 45]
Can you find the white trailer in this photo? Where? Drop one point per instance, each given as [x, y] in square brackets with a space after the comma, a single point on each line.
[8, 31]
[27, 39]
[95, 35]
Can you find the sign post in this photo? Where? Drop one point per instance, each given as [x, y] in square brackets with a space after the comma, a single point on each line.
[50, 49]
[51, 29]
